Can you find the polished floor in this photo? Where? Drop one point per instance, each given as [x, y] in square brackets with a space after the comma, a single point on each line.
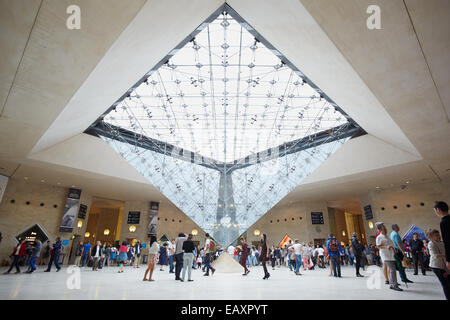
[283, 284]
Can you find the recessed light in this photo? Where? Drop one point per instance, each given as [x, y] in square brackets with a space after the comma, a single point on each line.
[377, 187]
[26, 178]
[58, 183]
[42, 180]
[407, 181]
[73, 186]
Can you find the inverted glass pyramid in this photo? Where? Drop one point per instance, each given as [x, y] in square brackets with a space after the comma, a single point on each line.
[225, 126]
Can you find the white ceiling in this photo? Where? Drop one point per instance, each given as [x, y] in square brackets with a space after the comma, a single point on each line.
[394, 82]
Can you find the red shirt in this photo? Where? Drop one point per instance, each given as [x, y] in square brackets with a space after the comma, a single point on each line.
[123, 249]
[236, 251]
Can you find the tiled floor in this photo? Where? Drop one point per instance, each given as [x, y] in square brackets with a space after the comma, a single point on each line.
[108, 284]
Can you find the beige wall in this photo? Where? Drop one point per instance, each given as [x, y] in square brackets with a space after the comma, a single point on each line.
[422, 216]
[302, 229]
[17, 217]
[170, 228]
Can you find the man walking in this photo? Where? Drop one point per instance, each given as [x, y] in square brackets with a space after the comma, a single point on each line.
[441, 210]
[334, 250]
[179, 254]
[18, 253]
[57, 246]
[357, 249]
[35, 255]
[417, 253]
[86, 253]
[209, 250]
[399, 252]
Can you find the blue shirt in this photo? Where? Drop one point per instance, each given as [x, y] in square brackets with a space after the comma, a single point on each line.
[337, 253]
[395, 237]
[86, 248]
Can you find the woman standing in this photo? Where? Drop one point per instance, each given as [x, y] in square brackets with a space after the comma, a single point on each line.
[264, 255]
[163, 257]
[244, 256]
[122, 255]
[188, 257]
[152, 256]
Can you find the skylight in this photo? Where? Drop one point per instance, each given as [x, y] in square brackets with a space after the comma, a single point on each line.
[225, 96]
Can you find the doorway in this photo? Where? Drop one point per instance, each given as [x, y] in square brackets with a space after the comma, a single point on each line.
[345, 217]
[105, 221]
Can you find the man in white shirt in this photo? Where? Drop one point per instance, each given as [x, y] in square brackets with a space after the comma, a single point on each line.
[297, 247]
[230, 250]
[386, 247]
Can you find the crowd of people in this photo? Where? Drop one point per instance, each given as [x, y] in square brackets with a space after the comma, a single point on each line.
[181, 255]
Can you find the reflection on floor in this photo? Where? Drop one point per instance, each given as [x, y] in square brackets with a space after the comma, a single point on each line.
[283, 284]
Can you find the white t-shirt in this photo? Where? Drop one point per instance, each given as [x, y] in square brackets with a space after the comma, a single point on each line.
[154, 248]
[230, 250]
[320, 251]
[305, 252]
[97, 252]
[208, 244]
[297, 248]
[385, 254]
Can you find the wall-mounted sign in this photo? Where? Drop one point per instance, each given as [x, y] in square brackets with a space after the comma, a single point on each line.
[368, 212]
[82, 211]
[153, 225]
[70, 210]
[134, 217]
[317, 217]
[65, 243]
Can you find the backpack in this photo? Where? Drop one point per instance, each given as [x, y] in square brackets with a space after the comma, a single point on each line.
[212, 246]
[333, 245]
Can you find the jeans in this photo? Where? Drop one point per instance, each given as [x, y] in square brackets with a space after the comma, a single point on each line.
[336, 265]
[178, 265]
[392, 272]
[445, 281]
[298, 262]
[85, 257]
[33, 264]
[351, 259]
[54, 258]
[208, 263]
[187, 264]
[15, 264]
[171, 263]
[249, 260]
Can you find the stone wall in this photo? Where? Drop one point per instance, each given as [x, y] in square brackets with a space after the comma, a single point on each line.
[419, 197]
[18, 216]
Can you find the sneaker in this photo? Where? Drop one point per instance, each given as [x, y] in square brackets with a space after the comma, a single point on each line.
[396, 288]
[47, 271]
[190, 280]
[206, 274]
[60, 269]
[408, 281]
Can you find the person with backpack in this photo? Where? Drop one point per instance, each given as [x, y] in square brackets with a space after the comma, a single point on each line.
[334, 250]
[209, 250]
[57, 247]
